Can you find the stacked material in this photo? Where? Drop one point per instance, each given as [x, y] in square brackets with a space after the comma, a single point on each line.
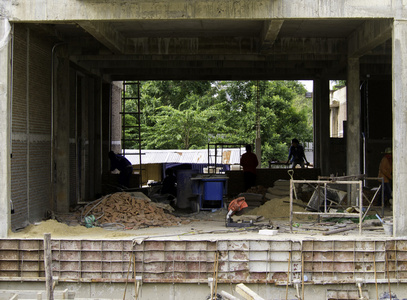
[130, 211]
[280, 189]
[257, 190]
[254, 196]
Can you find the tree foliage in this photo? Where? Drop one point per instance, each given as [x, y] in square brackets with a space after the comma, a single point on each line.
[191, 114]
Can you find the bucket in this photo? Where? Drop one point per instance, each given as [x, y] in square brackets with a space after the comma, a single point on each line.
[388, 228]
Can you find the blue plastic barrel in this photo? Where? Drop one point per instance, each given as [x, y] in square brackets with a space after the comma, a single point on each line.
[213, 190]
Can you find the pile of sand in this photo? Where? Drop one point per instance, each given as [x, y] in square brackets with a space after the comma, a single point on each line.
[132, 212]
[279, 208]
[61, 230]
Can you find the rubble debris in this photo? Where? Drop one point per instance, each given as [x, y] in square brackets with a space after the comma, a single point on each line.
[333, 196]
[132, 211]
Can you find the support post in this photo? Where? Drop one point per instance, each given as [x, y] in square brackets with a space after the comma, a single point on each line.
[353, 141]
[61, 132]
[5, 117]
[48, 266]
[399, 127]
[321, 125]
[353, 118]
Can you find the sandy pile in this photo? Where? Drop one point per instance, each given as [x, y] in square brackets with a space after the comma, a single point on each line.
[61, 230]
[279, 208]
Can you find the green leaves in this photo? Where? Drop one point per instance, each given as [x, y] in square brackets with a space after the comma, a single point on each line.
[191, 114]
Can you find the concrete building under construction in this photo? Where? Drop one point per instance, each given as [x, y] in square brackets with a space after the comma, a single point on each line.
[62, 67]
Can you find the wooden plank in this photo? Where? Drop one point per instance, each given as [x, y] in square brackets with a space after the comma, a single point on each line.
[247, 293]
[228, 296]
[48, 266]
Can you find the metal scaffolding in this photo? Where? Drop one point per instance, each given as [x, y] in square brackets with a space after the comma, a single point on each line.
[131, 134]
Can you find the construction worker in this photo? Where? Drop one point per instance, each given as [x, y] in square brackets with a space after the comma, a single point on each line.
[386, 172]
[249, 162]
[122, 164]
[296, 154]
[169, 183]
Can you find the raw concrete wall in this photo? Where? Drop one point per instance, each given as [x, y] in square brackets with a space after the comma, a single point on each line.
[169, 291]
[179, 9]
[5, 94]
[31, 119]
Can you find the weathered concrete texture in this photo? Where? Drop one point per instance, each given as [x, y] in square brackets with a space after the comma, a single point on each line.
[353, 135]
[97, 291]
[400, 127]
[116, 122]
[5, 174]
[61, 132]
[180, 268]
[209, 9]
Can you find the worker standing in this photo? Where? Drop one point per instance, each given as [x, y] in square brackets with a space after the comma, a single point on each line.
[249, 162]
[169, 183]
[386, 172]
[296, 154]
[122, 164]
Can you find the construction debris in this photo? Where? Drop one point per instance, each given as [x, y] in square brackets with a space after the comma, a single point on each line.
[131, 211]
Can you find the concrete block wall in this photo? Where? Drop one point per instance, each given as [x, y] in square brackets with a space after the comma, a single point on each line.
[31, 130]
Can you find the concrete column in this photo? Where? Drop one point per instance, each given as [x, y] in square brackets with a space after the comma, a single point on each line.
[321, 125]
[5, 114]
[106, 116]
[61, 131]
[98, 158]
[317, 122]
[399, 127]
[353, 118]
[116, 124]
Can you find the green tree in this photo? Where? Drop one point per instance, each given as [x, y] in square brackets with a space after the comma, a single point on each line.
[186, 114]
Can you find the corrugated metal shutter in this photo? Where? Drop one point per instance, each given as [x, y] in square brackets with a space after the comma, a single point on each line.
[31, 119]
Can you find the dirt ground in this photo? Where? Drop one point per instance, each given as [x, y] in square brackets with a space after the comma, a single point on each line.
[129, 217]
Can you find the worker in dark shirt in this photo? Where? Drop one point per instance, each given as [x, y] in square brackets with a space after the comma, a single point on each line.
[249, 162]
[122, 164]
[169, 183]
[296, 154]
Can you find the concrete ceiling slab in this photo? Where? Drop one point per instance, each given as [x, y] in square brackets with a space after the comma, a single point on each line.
[258, 48]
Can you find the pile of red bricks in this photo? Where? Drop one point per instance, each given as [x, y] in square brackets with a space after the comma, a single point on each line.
[133, 213]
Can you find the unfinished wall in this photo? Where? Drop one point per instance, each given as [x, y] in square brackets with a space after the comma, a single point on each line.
[272, 267]
[31, 119]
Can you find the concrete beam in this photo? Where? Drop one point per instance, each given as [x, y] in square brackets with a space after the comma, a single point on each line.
[5, 172]
[214, 74]
[106, 35]
[233, 45]
[269, 33]
[40, 10]
[368, 36]
[399, 128]
[107, 60]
